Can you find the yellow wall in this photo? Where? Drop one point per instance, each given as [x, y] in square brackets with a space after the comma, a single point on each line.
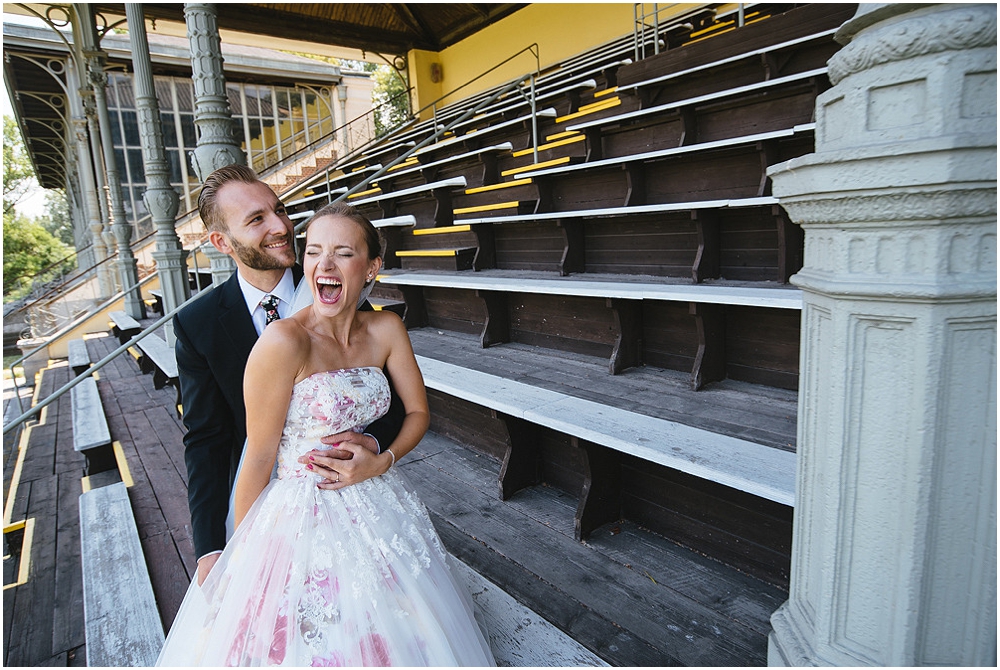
[561, 30]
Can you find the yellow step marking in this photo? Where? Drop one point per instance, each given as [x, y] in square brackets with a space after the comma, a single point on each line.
[712, 28]
[359, 168]
[486, 208]
[607, 91]
[24, 569]
[559, 136]
[409, 162]
[368, 192]
[15, 479]
[123, 470]
[436, 253]
[593, 105]
[494, 187]
[604, 104]
[536, 166]
[550, 145]
[443, 229]
[306, 193]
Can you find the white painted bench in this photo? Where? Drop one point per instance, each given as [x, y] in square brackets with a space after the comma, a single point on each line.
[316, 197]
[548, 112]
[708, 97]
[454, 182]
[740, 464]
[123, 326]
[725, 61]
[502, 107]
[79, 357]
[91, 435]
[778, 297]
[121, 622]
[674, 151]
[158, 357]
[497, 148]
[623, 211]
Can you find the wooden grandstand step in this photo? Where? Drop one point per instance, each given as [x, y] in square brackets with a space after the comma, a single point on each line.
[395, 306]
[590, 109]
[445, 230]
[495, 187]
[536, 166]
[444, 259]
[550, 145]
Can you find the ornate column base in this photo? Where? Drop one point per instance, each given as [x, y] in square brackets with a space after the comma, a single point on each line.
[222, 265]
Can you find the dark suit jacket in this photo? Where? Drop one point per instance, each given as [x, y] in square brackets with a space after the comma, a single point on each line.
[214, 337]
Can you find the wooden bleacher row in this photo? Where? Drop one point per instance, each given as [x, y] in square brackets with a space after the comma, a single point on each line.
[657, 170]
[121, 620]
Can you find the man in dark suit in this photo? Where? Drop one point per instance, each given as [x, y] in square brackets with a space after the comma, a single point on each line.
[215, 334]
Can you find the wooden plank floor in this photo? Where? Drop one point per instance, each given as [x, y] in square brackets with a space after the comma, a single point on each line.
[630, 596]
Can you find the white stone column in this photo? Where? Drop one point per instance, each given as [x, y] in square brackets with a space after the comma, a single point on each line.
[159, 197]
[894, 540]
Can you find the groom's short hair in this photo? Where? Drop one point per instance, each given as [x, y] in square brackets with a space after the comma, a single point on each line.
[207, 206]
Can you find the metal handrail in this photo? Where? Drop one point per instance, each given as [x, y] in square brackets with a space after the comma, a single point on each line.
[62, 332]
[96, 366]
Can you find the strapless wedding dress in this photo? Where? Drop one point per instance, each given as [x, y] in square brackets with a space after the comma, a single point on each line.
[330, 578]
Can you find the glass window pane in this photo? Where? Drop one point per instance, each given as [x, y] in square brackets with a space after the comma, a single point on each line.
[120, 164]
[233, 93]
[116, 129]
[174, 161]
[135, 166]
[130, 125]
[187, 128]
[123, 84]
[169, 129]
[185, 99]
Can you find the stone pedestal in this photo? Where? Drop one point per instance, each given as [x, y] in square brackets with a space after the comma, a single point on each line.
[894, 542]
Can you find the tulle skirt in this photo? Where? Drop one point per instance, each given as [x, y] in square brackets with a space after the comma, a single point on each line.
[355, 577]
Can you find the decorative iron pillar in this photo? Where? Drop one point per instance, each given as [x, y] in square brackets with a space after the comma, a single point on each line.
[128, 271]
[85, 171]
[217, 144]
[894, 542]
[160, 198]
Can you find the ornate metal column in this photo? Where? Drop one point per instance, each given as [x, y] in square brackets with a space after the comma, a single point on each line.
[125, 264]
[217, 144]
[894, 542]
[85, 170]
[160, 198]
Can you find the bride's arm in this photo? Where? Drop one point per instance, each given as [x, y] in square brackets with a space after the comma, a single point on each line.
[267, 390]
[409, 384]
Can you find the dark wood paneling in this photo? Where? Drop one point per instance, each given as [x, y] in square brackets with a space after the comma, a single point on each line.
[663, 245]
[774, 110]
[569, 323]
[704, 176]
[742, 530]
[669, 335]
[749, 244]
[458, 310]
[529, 246]
[469, 424]
[762, 345]
[588, 189]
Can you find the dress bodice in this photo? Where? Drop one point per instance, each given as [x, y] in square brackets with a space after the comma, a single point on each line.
[325, 403]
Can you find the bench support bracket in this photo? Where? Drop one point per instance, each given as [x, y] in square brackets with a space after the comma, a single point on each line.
[522, 465]
[496, 330]
[600, 497]
[710, 361]
[628, 344]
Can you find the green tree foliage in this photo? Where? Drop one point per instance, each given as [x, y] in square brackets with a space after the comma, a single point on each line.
[18, 177]
[28, 249]
[389, 99]
[58, 220]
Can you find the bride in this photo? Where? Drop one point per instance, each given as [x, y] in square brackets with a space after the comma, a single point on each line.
[352, 573]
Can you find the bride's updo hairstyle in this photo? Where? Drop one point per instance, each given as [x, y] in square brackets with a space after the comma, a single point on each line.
[373, 238]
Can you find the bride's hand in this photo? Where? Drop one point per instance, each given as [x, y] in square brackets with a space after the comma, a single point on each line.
[343, 469]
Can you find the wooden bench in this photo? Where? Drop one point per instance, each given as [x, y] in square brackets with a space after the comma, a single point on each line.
[608, 316]
[158, 357]
[744, 465]
[79, 357]
[484, 155]
[156, 304]
[709, 97]
[123, 326]
[316, 198]
[121, 620]
[440, 191]
[91, 435]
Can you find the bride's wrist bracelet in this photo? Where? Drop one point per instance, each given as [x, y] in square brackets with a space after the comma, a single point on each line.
[389, 451]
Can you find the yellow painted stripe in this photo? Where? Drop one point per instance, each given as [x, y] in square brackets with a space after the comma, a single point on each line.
[604, 104]
[15, 478]
[24, 569]
[436, 253]
[559, 136]
[494, 187]
[607, 91]
[721, 32]
[363, 193]
[85, 483]
[443, 229]
[536, 166]
[407, 163]
[17, 525]
[550, 145]
[359, 168]
[486, 208]
[712, 28]
[306, 193]
[122, 463]
[135, 353]
[592, 105]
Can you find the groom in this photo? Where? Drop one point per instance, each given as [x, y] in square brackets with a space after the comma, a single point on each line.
[215, 334]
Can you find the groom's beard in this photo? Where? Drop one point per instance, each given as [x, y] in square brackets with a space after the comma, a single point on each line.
[257, 259]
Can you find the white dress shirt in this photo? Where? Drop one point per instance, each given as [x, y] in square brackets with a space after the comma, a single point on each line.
[253, 295]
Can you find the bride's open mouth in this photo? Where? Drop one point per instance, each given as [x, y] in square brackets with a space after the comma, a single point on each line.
[328, 289]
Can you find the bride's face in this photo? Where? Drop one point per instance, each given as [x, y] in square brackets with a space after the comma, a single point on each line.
[336, 263]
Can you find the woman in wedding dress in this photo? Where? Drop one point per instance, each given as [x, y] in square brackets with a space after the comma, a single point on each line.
[345, 576]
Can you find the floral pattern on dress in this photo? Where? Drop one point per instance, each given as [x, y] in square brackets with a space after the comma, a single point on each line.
[321, 578]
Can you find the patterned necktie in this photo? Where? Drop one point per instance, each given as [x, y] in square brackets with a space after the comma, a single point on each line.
[270, 305]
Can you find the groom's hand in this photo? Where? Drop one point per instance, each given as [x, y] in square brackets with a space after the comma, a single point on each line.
[205, 565]
[339, 470]
[349, 436]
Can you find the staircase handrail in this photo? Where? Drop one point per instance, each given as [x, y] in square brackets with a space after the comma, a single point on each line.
[68, 328]
[468, 114]
[97, 366]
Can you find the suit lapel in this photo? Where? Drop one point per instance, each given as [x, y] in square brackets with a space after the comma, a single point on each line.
[235, 319]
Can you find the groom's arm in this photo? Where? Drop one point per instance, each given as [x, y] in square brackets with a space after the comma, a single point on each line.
[385, 429]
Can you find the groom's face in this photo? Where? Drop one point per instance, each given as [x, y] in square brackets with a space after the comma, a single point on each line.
[258, 232]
